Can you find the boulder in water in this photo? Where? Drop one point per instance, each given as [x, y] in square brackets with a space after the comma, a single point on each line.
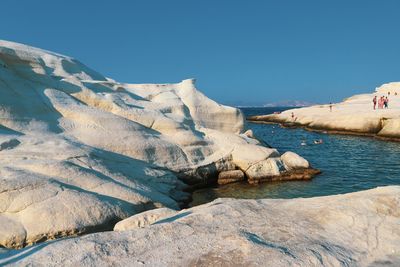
[293, 161]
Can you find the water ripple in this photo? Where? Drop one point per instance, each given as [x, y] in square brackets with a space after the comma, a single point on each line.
[348, 164]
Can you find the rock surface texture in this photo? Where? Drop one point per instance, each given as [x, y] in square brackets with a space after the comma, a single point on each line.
[354, 115]
[357, 229]
[143, 219]
[80, 152]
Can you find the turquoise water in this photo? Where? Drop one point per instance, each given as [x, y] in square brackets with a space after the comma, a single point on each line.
[348, 164]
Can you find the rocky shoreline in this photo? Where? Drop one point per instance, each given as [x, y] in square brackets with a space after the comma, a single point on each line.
[354, 116]
[264, 119]
[81, 152]
[238, 176]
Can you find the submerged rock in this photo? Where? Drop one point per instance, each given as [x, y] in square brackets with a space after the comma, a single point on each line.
[357, 229]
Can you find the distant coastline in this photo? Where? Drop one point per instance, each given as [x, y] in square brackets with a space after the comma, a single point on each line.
[282, 104]
[291, 103]
[356, 115]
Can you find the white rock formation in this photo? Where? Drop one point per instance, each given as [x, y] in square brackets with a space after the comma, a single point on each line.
[267, 167]
[355, 114]
[357, 229]
[293, 161]
[80, 151]
[143, 219]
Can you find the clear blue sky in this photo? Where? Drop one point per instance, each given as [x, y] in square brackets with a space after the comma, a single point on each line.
[239, 51]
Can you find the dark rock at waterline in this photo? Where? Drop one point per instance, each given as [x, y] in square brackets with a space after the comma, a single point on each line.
[232, 176]
[296, 174]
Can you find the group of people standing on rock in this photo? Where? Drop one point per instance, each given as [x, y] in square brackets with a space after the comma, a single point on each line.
[383, 102]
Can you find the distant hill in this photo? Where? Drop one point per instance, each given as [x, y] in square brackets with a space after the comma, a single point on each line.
[290, 103]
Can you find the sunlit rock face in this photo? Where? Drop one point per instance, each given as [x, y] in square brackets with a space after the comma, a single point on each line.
[80, 151]
[357, 229]
[355, 114]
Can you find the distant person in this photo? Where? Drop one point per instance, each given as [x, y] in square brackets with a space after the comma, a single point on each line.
[386, 102]
[330, 107]
[380, 102]
[395, 93]
[374, 101]
[318, 142]
[293, 117]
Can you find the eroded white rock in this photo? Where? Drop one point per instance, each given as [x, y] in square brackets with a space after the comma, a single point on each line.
[80, 151]
[357, 229]
[143, 219]
[293, 161]
[265, 168]
[245, 156]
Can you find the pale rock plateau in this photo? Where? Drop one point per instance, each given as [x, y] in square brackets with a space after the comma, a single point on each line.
[356, 229]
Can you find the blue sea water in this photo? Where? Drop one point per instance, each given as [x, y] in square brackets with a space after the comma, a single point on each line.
[348, 164]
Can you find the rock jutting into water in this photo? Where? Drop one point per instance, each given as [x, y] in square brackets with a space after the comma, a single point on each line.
[357, 229]
[80, 152]
[355, 115]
